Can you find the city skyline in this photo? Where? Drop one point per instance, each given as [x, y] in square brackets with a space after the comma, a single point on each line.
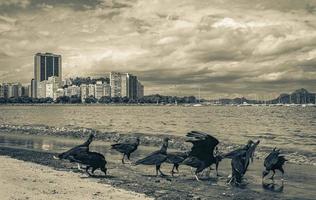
[175, 47]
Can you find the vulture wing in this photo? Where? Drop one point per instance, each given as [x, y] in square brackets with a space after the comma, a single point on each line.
[203, 144]
[271, 159]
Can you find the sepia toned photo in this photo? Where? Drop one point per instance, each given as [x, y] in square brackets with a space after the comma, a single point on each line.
[157, 99]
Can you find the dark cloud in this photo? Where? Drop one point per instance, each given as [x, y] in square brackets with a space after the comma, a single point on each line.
[225, 48]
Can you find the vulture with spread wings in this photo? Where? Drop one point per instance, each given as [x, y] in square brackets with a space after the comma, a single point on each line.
[201, 155]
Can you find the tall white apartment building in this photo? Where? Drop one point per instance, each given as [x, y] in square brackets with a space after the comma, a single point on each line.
[84, 92]
[102, 89]
[116, 84]
[52, 84]
[91, 90]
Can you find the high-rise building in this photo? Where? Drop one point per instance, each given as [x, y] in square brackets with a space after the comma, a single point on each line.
[91, 90]
[1, 90]
[140, 90]
[72, 90]
[131, 86]
[106, 90]
[84, 91]
[124, 80]
[41, 89]
[45, 66]
[52, 84]
[98, 93]
[4, 90]
[14, 90]
[125, 85]
[115, 83]
[102, 89]
[25, 90]
[33, 88]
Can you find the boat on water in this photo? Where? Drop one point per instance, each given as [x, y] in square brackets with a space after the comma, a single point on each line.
[244, 104]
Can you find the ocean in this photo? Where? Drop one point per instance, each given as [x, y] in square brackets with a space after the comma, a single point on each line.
[292, 129]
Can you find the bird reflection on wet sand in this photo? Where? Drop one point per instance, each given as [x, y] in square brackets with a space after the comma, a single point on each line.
[273, 187]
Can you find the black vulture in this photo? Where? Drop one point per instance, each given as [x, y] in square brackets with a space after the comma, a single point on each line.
[156, 158]
[201, 155]
[218, 159]
[274, 161]
[240, 162]
[126, 148]
[236, 152]
[92, 160]
[73, 152]
[176, 158]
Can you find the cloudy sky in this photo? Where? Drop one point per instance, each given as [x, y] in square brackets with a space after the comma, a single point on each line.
[226, 48]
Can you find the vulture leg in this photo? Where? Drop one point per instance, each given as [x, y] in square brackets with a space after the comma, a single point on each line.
[196, 177]
[177, 167]
[157, 168]
[87, 170]
[272, 177]
[104, 170]
[282, 171]
[123, 159]
[162, 174]
[172, 171]
[93, 169]
[128, 157]
[79, 168]
[230, 180]
[216, 168]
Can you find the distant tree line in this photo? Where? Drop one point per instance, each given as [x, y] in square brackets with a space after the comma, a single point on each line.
[151, 99]
[25, 100]
[87, 80]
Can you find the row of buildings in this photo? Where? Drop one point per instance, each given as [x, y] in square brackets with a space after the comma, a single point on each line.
[48, 82]
[14, 90]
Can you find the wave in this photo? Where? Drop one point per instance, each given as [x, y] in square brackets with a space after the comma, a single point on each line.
[176, 142]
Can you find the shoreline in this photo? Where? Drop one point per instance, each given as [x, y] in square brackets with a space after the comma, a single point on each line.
[160, 104]
[300, 179]
[177, 142]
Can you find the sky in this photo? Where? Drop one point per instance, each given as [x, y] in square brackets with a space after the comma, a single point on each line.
[222, 48]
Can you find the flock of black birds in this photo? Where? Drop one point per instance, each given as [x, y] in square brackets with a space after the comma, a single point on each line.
[203, 155]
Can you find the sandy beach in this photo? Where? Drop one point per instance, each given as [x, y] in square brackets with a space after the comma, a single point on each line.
[23, 180]
[299, 179]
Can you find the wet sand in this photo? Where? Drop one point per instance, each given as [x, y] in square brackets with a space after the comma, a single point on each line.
[24, 180]
[300, 179]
